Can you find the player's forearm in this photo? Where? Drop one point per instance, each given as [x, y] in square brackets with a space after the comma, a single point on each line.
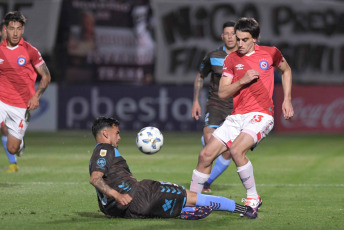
[226, 91]
[198, 85]
[46, 78]
[43, 85]
[100, 184]
[287, 83]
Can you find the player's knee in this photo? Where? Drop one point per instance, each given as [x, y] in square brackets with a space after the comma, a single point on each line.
[13, 149]
[227, 155]
[235, 152]
[206, 157]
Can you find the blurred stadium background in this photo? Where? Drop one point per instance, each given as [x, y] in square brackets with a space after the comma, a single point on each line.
[136, 60]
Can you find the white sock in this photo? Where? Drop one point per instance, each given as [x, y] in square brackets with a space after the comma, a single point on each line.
[198, 180]
[246, 175]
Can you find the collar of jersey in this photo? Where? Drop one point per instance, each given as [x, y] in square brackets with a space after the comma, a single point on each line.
[224, 49]
[21, 42]
[256, 47]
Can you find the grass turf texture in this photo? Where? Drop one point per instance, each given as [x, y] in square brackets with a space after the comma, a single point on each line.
[299, 177]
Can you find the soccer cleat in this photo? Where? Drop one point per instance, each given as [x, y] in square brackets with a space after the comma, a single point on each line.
[250, 213]
[206, 188]
[196, 213]
[254, 203]
[12, 168]
[22, 150]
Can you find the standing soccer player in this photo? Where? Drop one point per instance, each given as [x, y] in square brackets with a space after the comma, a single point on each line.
[4, 130]
[248, 76]
[19, 62]
[216, 109]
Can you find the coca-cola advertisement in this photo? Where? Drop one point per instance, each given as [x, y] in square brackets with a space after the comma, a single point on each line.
[317, 109]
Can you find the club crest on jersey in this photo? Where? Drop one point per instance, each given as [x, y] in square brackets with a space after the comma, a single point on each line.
[264, 65]
[101, 162]
[21, 61]
[103, 152]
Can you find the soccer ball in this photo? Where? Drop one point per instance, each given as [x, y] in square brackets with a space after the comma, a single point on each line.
[149, 140]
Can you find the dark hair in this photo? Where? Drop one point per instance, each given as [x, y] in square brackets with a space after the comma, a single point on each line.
[249, 25]
[228, 24]
[14, 16]
[103, 122]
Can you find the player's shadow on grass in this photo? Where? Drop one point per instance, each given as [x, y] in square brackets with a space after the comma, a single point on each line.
[7, 185]
[92, 215]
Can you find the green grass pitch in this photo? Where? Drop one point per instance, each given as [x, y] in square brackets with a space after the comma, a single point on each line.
[299, 177]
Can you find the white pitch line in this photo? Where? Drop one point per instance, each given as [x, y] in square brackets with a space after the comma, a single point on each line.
[260, 185]
[290, 185]
[43, 183]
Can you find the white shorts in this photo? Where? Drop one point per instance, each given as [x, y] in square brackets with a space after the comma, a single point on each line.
[16, 119]
[258, 125]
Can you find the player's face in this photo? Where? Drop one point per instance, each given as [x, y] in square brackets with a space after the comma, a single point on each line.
[14, 31]
[229, 38]
[245, 42]
[114, 136]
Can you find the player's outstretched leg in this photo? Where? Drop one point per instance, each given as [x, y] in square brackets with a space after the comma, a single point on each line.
[219, 203]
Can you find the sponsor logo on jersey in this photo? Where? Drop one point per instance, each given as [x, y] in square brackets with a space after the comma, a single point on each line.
[103, 152]
[239, 66]
[264, 65]
[21, 61]
[1, 61]
[167, 205]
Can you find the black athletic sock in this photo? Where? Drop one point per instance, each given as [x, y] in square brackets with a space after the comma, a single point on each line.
[240, 208]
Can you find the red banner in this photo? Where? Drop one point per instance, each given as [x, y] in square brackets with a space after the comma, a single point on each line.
[318, 109]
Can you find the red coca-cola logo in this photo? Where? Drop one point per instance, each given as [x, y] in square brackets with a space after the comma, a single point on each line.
[314, 115]
[313, 111]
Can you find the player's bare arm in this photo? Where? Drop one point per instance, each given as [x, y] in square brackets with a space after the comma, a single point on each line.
[43, 84]
[46, 78]
[196, 108]
[228, 89]
[287, 107]
[97, 181]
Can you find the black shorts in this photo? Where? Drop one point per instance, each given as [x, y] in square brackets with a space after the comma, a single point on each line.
[156, 199]
[215, 115]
